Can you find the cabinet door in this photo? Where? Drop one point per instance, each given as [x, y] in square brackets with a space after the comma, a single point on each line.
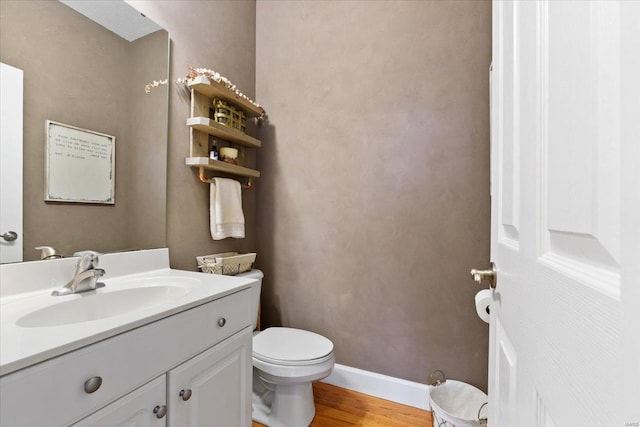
[214, 388]
[136, 409]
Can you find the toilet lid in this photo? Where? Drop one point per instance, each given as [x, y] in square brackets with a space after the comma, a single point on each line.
[288, 346]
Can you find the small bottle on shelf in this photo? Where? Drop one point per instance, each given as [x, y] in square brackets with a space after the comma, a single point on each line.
[213, 151]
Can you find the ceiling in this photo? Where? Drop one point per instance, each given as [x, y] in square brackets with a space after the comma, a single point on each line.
[116, 16]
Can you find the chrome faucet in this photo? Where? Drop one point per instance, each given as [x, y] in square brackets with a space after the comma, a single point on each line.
[85, 278]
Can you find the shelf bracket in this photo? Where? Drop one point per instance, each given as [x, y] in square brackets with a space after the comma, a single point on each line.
[206, 180]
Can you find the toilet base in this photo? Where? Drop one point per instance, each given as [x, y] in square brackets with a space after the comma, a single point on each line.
[282, 405]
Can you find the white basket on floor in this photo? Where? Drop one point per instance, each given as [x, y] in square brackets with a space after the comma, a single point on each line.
[457, 404]
[227, 263]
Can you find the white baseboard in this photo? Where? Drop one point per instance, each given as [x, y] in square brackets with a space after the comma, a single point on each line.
[390, 388]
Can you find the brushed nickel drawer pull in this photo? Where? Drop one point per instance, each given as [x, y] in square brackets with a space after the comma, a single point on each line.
[185, 394]
[92, 384]
[160, 411]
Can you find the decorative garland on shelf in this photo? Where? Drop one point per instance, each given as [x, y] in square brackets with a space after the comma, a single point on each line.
[218, 78]
[155, 83]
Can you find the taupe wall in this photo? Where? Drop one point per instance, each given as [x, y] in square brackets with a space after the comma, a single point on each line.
[211, 34]
[374, 201]
[148, 128]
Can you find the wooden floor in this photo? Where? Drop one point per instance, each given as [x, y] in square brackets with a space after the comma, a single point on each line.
[338, 407]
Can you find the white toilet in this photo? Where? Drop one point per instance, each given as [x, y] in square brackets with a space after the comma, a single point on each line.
[285, 363]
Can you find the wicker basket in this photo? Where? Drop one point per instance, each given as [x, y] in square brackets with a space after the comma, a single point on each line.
[229, 116]
[227, 263]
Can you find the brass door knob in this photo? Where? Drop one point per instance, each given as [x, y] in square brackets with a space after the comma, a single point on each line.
[490, 275]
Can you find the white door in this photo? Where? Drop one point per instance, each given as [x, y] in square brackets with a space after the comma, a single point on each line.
[565, 189]
[10, 164]
[214, 388]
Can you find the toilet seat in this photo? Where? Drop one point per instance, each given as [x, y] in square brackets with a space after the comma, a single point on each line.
[291, 347]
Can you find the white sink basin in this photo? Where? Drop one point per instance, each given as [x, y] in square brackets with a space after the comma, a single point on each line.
[140, 289]
[95, 305]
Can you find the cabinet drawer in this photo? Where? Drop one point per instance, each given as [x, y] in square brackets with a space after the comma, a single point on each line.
[207, 325]
[52, 393]
[134, 409]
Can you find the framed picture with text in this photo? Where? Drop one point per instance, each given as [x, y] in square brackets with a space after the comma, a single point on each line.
[80, 165]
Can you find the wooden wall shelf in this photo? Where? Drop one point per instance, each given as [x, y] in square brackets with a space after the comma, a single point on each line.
[208, 126]
[212, 89]
[218, 166]
[203, 92]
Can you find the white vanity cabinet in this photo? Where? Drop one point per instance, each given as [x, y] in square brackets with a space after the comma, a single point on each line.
[211, 389]
[206, 349]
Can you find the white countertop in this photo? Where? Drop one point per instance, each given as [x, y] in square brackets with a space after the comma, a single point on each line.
[21, 346]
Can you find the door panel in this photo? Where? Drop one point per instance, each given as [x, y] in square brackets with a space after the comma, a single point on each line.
[509, 149]
[543, 419]
[580, 161]
[505, 411]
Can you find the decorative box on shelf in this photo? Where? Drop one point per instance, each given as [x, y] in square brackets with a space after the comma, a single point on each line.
[227, 263]
[228, 115]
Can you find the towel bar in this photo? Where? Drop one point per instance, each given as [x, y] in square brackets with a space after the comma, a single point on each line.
[206, 180]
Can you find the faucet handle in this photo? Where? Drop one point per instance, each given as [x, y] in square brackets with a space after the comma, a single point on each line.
[87, 261]
[48, 252]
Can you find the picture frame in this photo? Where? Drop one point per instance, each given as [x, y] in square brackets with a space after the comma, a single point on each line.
[79, 165]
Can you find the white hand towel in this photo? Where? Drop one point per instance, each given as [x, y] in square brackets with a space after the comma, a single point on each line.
[225, 209]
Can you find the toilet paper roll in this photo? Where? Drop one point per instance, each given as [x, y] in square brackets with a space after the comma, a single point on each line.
[483, 303]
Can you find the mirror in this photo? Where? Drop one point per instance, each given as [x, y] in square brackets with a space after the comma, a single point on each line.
[81, 74]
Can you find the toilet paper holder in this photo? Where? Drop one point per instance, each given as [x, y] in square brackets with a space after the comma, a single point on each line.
[490, 275]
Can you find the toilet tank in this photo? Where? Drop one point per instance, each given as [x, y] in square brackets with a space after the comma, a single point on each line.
[256, 287]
